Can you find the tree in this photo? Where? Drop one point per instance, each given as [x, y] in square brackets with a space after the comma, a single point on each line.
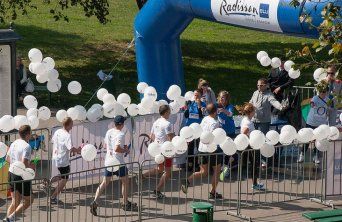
[9, 9]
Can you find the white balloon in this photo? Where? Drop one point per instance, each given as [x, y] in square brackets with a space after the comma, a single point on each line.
[197, 130]
[112, 163]
[241, 142]
[35, 55]
[88, 152]
[163, 102]
[261, 54]
[32, 112]
[124, 99]
[267, 150]
[61, 115]
[54, 85]
[322, 132]
[101, 93]
[288, 65]
[168, 150]
[28, 174]
[334, 133]
[265, 61]
[341, 117]
[42, 78]
[49, 63]
[3, 149]
[147, 103]
[180, 144]
[187, 133]
[174, 106]
[119, 110]
[322, 145]
[30, 102]
[109, 98]
[228, 147]
[19, 121]
[141, 87]
[52, 75]
[154, 149]
[94, 114]
[305, 135]
[272, 137]
[256, 139]
[133, 109]
[320, 74]
[7, 123]
[207, 137]
[108, 110]
[74, 87]
[82, 113]
[96, 106]
[17, 168]
[286, 138]
[33, 121]
[38, 68]
[189, 96]
[291, 129]
[220, 136]
[275, 62]
[294, 74]
[212, 147]
[44, 113]
[159, 159]
[181, 101]
[72, 113]
[155, 107]
[142, 110]
[151, 93]
[173, 92]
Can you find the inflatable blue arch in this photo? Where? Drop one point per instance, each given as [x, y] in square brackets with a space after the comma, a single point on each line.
[159, 24]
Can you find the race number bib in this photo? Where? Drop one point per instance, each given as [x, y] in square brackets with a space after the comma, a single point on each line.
[193, 116]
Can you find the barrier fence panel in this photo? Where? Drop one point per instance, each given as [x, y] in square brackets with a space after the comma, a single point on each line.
[38, 209]
[74, 202]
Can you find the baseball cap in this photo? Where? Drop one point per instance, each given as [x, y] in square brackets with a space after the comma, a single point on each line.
[119, 119]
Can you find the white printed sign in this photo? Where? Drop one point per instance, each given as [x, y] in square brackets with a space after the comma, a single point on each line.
[258, 14]
[334, 169]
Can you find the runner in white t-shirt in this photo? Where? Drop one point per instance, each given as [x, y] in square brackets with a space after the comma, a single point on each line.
[247, 126]
[115, 147]
[20, 151]
[209, 123]
[62, 146]
[161, 131]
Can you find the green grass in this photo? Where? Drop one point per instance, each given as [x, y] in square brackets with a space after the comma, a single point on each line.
[224, 55]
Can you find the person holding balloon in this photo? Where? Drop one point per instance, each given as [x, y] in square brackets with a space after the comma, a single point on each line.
[208, 95]
[247, 126]
[19, 152]
[193, 114]
[114, 142]
[62, 147]
[208, 124]
[161, 131]
[225, 112]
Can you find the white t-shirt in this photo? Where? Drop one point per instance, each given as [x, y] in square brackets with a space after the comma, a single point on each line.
[318, 111]
[245, 122]
[161, 128]
[19, 150]
[113, 138]
[208, 124]
[61, 140]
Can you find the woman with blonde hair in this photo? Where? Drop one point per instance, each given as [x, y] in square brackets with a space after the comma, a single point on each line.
[208, 95]
[247, 126]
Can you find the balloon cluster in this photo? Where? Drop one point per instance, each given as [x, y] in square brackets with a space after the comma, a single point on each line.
[256, 140]
[275, 62]
[45, 70]
[18, 168]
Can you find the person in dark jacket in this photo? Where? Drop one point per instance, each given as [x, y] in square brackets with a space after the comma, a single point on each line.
[279, 80]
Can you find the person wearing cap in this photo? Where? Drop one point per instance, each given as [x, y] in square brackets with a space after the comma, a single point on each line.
[19, 151]
[334, 90]
[209, 123]
[161, 131]
[62, 146]
[114, 142]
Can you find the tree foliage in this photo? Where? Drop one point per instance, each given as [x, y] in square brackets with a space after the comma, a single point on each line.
[10, 9]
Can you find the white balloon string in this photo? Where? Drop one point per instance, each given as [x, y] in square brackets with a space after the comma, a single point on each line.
[117, 63]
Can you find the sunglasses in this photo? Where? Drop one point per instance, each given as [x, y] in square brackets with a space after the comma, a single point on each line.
[261, 85]
[330, 73]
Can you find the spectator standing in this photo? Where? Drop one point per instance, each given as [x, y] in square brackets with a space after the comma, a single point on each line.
[208, 95]
[21, 76]
[334, 90]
